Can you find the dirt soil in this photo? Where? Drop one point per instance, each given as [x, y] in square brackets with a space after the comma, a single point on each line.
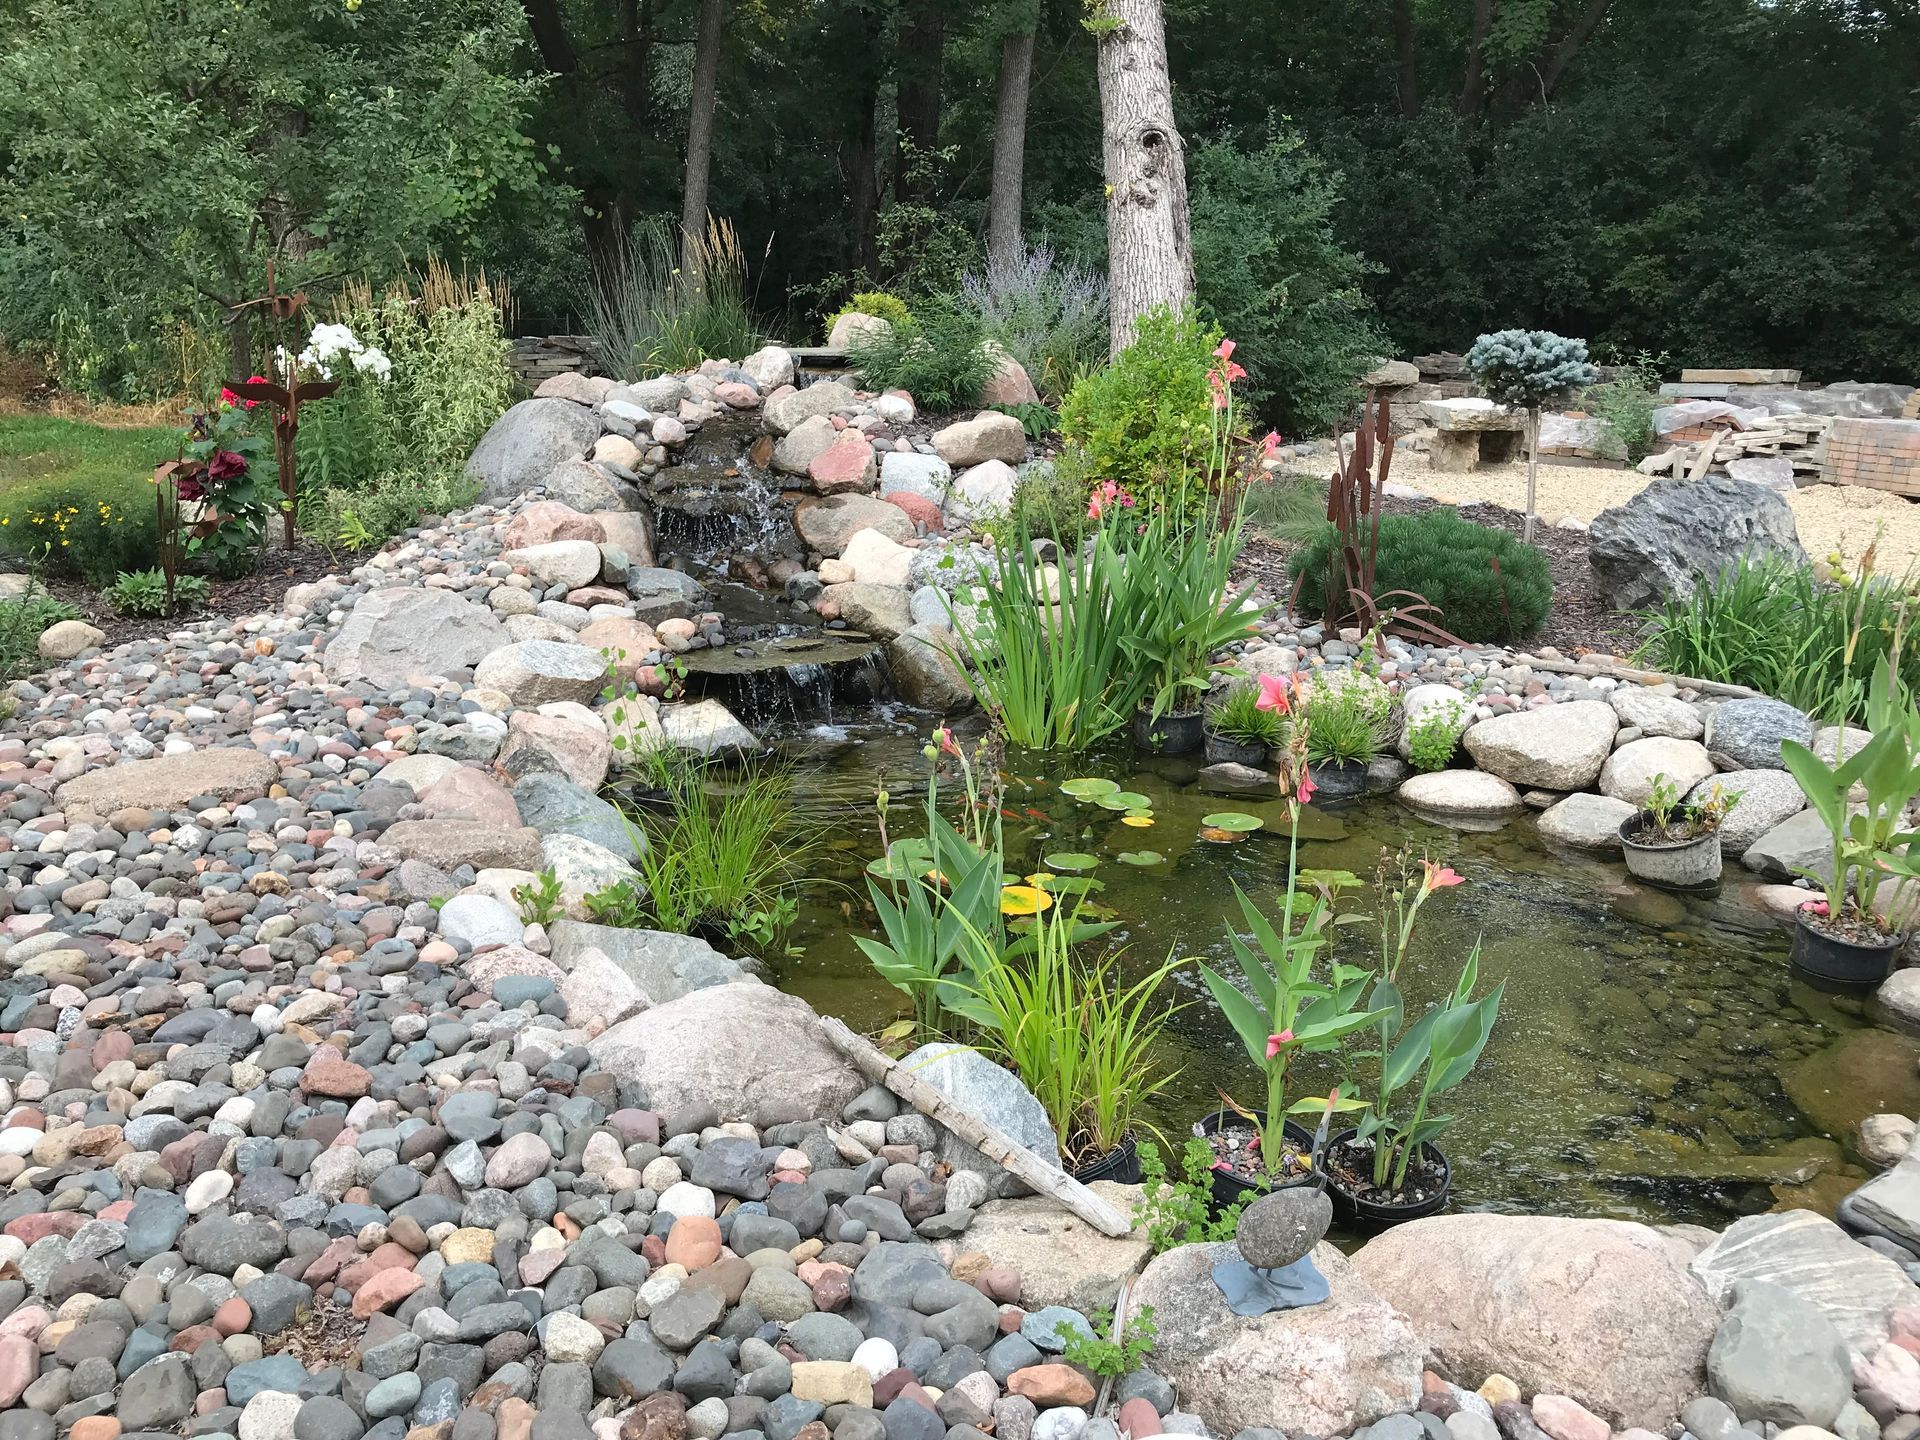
[231, 599]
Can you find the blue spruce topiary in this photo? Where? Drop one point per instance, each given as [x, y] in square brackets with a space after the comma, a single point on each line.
[1527, 368]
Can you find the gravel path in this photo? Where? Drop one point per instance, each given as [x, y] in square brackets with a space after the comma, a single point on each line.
[1830, 517]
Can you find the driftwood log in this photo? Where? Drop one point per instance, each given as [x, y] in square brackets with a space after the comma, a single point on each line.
[995, 1144]
[1639, 677]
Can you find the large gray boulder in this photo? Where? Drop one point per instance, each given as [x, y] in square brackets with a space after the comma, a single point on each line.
[1676, 534]
[924, 674]
[1777, 1358]
[664, 965]
[554, 805]
[1746, 734]
[525, 444]
[1603, 1311]
[1557, 747]
[1321, 1370]
[989, 1091]
[748, 1049]
[401, 631]
[1767, 797]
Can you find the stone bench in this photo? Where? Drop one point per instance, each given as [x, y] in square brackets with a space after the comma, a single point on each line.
[1471, 433]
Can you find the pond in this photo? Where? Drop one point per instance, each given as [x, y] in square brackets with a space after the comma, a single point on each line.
[1650, 1051]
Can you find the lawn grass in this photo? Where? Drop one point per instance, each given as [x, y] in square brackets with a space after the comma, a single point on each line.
[42, 448]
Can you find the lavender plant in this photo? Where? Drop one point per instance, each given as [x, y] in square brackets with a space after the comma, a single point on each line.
[1051, 315]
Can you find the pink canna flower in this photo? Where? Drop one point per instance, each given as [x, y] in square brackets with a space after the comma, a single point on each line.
[1275, 1042]
[1271, 443]
[1273, 693]
[1224, 351]
[1440, 877]
[1307, 787]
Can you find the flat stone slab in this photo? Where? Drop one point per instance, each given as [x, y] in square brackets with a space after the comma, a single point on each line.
[1816, 1260]
[1062, 1260]
[171, 781]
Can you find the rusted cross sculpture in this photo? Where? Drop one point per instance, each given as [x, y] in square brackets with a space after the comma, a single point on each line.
[286, 399]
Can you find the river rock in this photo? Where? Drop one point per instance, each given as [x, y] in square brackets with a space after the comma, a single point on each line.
[823, 397]
[736, 1047]
[1746, 734]
[1602, 1310]
[1629, 772]
[1676, 533]
[803, 444]
[827, 522]
[1586, 822]
[1767, 797]
[572, 563]
[987, 1090]
[537, 672]
[1278, 1228]
[990, 435]
[882, 611]
[525, 444]
[1060, 1258]
[1822, 1267]
[920, 661]
[65, 639]
[1557, 747]
[1322, 1370]
[1778, 1359]
[1469, 794]
[769, 368]
[1797, 845]
[1653, 714]
[875, 559]
[706, 727]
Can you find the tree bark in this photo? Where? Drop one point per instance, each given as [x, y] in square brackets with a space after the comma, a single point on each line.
[240, 344]
[706, 81]
[1009, 150]
[1473, 89]
[922, 55]
[1406, 59]
[863, 184]
[1149, 242]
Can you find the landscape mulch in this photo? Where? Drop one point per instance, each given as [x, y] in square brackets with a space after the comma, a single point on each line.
[1581, 620]
[253, 594]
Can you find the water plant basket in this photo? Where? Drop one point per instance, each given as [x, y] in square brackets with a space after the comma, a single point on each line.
[1353, 1208]
[1224, 750]
[1231, 1185]
[1172, 734]
[1120, 1165]
[1835, 961]
[1339, 779]
[1684, 865]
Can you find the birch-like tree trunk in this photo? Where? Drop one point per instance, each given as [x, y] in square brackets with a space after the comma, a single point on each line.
[706, 82]
[1009, 150]
[1149, 243]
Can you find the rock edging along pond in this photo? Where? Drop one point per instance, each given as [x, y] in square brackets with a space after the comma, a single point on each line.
[309, 1130]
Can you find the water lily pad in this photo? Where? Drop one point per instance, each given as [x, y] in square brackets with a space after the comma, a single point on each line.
[1137, 820]
[1024, 900]
[1091, 787]
[1071, 860]
[1231, 820]
[1125, 800]
[1141, 857]
[1071, 885]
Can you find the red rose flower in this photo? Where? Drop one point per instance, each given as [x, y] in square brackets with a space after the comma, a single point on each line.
[226, 465]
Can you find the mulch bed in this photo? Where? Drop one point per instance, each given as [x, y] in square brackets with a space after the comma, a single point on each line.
[280, 570]
[1581, 620]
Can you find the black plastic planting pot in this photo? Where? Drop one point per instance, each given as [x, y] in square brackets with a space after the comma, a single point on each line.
[1350, 1206]
[1231, 1185]
[1120, 1165]
[1338, 779]
[1689, 865]
[1224, 750]
[1841, 962]
[1174, 734]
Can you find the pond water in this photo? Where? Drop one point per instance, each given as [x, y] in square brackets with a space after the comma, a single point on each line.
[1647, 1046]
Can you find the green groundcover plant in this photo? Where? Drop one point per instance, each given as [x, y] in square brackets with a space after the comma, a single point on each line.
[1489, 585]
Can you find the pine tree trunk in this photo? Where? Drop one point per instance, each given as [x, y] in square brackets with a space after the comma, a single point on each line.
[1009, 150]
[1149, 246]
[706, 81]
[1533, 466]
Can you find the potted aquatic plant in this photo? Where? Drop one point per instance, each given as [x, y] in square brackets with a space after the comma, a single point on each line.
[1388, 1168]
[1292, 1005]
[1677, 845]
[1349, 724]
[1851, 935]
[1243, 726]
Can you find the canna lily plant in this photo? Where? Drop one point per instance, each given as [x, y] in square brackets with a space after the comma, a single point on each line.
[1287, 1010]
[1870, 843]
[1437, 1052]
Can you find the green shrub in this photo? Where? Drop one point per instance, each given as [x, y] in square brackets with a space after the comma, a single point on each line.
[1050, 315]
[890, 308]
[361, 517]
[937, 357]
[1434, 737]
[1146, 419]
[1450, 562]
[93, 529]
[1238, 716]
[1050, 502]
[144, 592]
[1627, 403]
[1349, 720]
[1268, 265]
[21, 622]
[1776, 627]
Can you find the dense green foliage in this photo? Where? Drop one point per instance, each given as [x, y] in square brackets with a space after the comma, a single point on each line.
[1626, 403]
[78, 499]
[1489, 585]
[890, 308]
[144, 592]
[1778, 628]
[1528, 368]
[936, 356]
[1146, 420]
[1049, 314]
[1729, 182]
